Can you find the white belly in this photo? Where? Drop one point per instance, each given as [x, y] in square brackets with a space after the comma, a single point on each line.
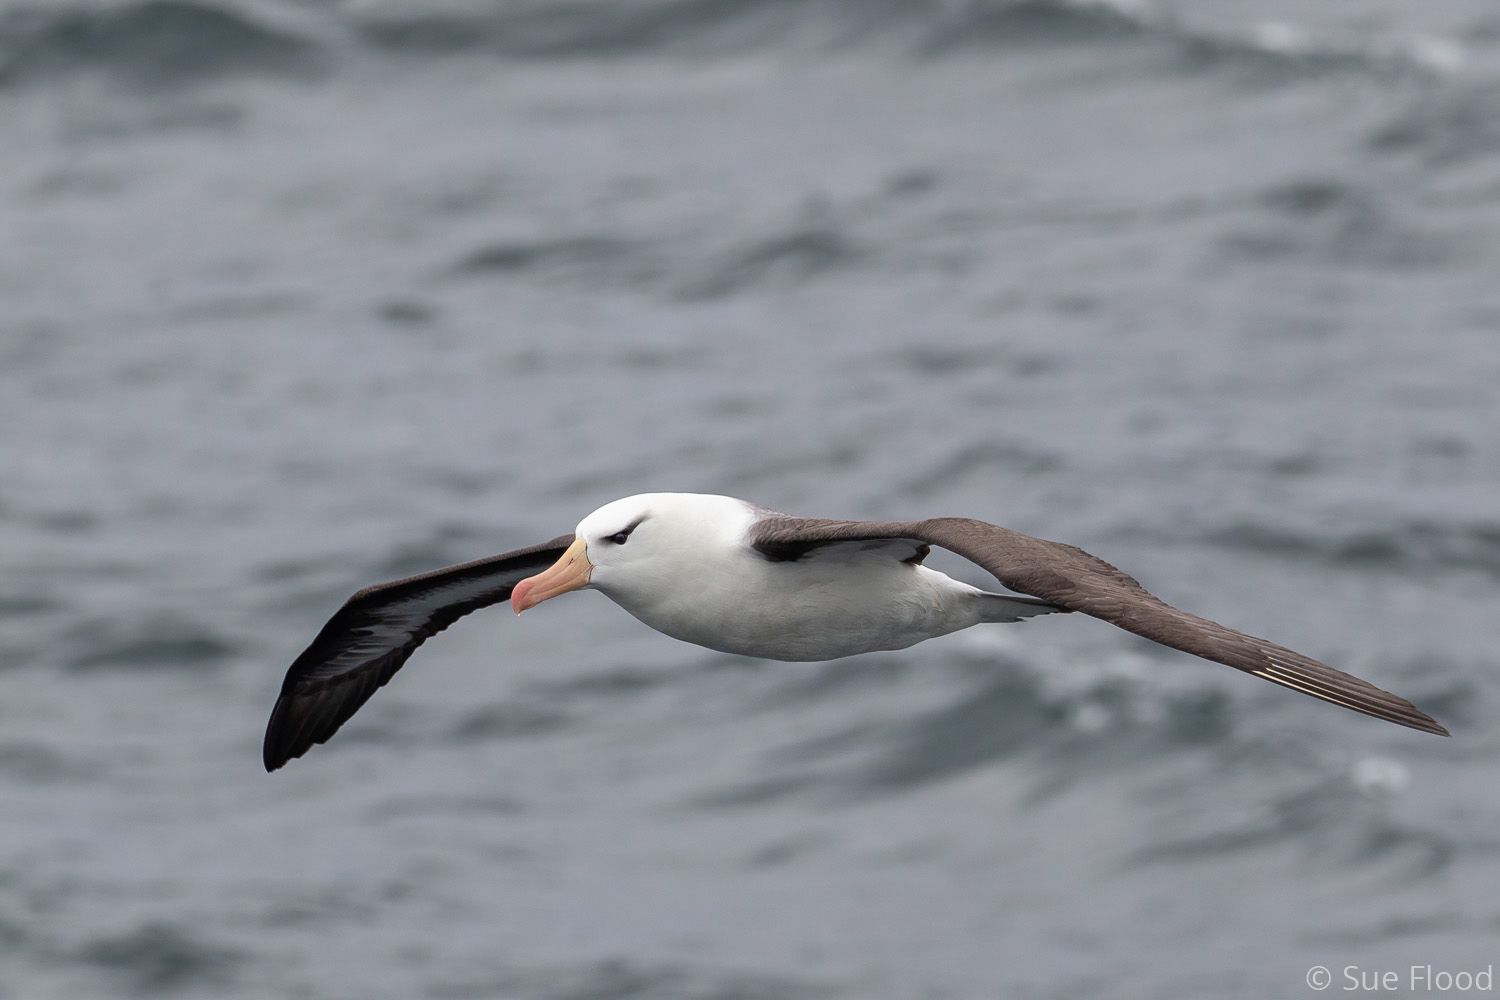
[816, 610]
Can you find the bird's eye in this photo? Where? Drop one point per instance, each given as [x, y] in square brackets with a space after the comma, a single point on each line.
[620, 537]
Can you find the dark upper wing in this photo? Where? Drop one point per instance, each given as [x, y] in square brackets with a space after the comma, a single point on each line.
[1071, 578]
[368, 639]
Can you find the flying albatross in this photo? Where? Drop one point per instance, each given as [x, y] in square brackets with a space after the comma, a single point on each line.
[741, 578]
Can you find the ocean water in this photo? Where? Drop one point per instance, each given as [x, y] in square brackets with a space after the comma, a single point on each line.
[301, 296]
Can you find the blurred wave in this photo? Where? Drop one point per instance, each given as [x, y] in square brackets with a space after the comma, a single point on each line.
[1332, 220]
[1444, 128]
[154, 43]
[43, 764]
[1346, 818]
[927, 28]
[145, 643]
[1412, 546]
[160, 958]
[165, 42]
[626, 979]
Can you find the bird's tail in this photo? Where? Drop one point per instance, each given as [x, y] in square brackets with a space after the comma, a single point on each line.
[1014, 608]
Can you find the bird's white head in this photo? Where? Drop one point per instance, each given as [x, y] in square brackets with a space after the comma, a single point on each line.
[641, 545]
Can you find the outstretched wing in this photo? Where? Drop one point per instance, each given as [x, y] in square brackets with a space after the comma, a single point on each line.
[373, 634]
[1071, 578]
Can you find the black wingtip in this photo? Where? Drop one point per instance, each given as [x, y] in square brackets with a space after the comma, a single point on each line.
[287, 733]
[275, 757]
[275, 760]
[275, 753]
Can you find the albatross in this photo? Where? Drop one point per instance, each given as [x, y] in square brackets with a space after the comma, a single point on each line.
[741, 578]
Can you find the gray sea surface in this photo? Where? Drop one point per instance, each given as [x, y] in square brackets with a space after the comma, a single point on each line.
[302, 295]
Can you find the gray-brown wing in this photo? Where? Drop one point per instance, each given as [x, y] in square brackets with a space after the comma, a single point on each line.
[373, 634]
[1071, 578]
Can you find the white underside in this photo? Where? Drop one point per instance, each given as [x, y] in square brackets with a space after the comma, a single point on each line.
[844, 600]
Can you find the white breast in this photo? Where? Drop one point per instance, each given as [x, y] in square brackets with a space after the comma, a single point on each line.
[844, 600]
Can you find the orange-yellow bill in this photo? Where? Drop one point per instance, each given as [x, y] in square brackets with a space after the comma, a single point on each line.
[569, 573]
